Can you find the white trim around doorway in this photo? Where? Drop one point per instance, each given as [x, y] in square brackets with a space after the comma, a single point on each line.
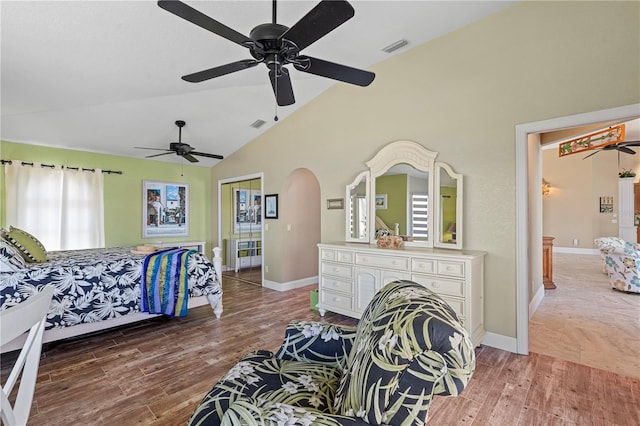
[523, 243]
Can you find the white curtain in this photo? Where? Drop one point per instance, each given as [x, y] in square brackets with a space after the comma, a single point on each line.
[61, 207]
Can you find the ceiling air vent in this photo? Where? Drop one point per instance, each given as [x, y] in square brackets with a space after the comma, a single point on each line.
[395, 46]
[258, 123]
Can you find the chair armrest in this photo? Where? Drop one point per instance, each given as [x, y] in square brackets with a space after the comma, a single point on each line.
[317, 342]
[251, 411]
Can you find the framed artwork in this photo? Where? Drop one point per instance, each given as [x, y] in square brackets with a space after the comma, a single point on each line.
[165, 209]
[247, 209]
[591, 141]
[271, 206]
[335, 203]
[381, 201]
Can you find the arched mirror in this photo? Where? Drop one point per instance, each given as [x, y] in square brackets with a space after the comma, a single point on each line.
[401, 186]
[448, 221]
[357, 213]
[407, 194]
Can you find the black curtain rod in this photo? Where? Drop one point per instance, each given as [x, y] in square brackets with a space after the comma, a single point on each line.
[24, 163]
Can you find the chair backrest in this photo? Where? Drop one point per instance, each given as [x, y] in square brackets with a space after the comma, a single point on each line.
[30, 316]
[409, 346]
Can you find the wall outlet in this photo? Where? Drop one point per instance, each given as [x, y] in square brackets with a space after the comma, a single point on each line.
[576, 242]
[266, 268]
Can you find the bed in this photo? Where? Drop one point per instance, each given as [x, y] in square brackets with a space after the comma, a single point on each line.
[100, 288]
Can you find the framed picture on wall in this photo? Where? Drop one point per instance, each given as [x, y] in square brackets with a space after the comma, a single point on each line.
[165, 209]
[271, 206]
[247, 210]
[381, 201]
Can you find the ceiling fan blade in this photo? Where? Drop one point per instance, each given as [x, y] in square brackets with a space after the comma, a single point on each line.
[630, 143]
[204, 154]
[200, 19]
[158, 155]
[191, 158]
[200, 76]
[593, 153]
[626, 150]
[155, 149]
[320, 21]
[282, 87]
[335, 71]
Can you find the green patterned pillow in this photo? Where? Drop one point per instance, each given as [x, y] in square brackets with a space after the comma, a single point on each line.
[29, 246]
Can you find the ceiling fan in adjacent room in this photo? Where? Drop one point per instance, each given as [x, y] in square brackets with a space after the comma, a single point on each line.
[276, 45]
[182, 149]
[618, 146]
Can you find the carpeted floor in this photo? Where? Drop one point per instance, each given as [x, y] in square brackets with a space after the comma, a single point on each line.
[585, 321]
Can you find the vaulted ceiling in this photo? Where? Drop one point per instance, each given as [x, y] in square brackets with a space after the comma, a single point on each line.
[104, 76]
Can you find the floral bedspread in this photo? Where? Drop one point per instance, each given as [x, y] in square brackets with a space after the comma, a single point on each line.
[95, 285]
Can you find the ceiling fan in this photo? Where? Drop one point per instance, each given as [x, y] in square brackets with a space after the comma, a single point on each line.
[276, 45]
[618, 146]
[182, 149]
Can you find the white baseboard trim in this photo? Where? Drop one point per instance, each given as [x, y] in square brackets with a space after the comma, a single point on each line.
[576, 250]
[499, 341]
[535, 302]
[273, 285]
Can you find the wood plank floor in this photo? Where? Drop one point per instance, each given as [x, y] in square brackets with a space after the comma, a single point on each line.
[156, 372]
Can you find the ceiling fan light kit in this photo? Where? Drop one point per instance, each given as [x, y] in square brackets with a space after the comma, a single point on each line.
[277, 45]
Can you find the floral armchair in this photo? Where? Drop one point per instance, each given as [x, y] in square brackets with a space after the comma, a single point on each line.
[608, 243]
[408, 346]
[623, 267]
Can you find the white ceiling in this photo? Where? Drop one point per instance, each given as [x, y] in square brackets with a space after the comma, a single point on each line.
[104, 76]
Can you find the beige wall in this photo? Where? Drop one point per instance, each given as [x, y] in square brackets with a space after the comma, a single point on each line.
[462, 95]
[572, 210]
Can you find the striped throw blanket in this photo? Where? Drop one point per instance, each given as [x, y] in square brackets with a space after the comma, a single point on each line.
[165, 285]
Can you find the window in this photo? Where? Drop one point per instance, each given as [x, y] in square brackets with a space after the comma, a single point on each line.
[419, 215]
[62, 207]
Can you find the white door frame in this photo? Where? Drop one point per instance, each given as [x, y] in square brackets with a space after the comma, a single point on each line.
[523, 243]
[221, 182]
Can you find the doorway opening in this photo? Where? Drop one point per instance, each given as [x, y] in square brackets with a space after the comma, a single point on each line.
[241, 217]
[529, 204]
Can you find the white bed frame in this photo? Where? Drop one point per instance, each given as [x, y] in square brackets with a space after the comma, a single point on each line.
[86, 328]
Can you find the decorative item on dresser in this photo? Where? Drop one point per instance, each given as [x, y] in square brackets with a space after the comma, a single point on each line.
[351, 273]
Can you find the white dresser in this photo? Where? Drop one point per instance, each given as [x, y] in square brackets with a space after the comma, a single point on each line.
[351, 273]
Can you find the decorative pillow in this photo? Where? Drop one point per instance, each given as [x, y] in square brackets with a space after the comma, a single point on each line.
[10, 258]
[29, 246]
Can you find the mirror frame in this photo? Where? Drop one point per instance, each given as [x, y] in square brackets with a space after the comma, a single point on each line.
[438, 218]
[363, 175]
[402, 152]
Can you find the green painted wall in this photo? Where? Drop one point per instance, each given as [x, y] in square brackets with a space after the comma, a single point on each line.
[123, 193]
[395, 186]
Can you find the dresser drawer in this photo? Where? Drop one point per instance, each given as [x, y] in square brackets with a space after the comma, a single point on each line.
[426, 266]
[457, 305]
[451, 268]
[330, 300]
[333, 284]
[392, 262]
[344, 256]
[337, 270]
[441, 286]
[327, 254]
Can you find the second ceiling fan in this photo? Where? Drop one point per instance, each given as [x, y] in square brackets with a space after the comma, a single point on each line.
[276, 45]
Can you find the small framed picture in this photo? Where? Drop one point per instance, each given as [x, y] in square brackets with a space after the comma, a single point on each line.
[335, 203]
[381, 201]
[271, 206]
